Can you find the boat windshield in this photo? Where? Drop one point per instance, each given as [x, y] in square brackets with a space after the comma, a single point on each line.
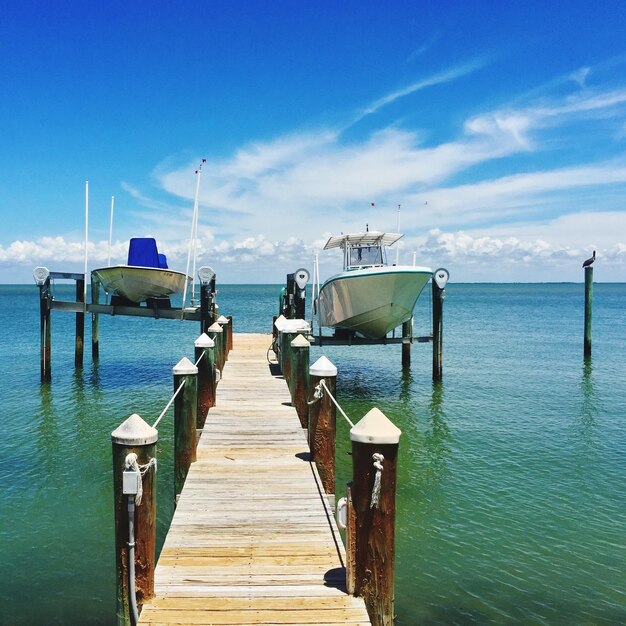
[365, 256]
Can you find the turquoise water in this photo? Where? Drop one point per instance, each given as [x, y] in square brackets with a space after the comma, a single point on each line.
[512, 472]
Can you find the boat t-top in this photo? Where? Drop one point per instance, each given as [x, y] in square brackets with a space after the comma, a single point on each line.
[369, 296]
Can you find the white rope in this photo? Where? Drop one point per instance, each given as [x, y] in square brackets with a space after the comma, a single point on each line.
[378, 464]
[199, 358]
[131, 464]
[330, 395]
[169, 404]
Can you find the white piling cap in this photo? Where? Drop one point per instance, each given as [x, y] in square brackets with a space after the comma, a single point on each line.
[215, 328]
[375, 427]
[292, 326]
[300, 342]
[184, 366]
[279, 319]
[323, 367]
[204, 341]
[135, 432]
[222, 319]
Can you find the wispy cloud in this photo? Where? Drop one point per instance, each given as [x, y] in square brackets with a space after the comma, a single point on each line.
[427, 45]
[436, 79]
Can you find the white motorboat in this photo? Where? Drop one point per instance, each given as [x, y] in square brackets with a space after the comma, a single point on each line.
[145, 276]
[369, 297]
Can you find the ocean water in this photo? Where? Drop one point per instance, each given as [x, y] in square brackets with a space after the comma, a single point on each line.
[512, 471]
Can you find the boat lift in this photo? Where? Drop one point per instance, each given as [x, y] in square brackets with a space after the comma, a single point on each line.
[292, 306]
[158, 308]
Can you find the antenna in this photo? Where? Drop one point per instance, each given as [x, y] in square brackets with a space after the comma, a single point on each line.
[86, 242]
[398, 231]
[193, 237]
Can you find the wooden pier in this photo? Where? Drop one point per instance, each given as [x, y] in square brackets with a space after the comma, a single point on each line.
[253, 539]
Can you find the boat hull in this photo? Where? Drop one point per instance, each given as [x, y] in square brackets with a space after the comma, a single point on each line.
[140, 283]
[371, 301]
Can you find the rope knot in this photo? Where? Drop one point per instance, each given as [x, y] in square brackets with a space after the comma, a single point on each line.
[378, 464]
[318, 393]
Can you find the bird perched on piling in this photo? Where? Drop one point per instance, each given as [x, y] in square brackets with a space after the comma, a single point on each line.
[590, 260]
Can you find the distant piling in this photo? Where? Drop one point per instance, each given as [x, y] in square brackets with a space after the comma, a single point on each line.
[205, 357]
[80, 324]
[185, 417]
[95, 324]
[216, 333]
[207, 298]
[439, 281]
[588, 310]
[42, 279]
[299, 383]
[407, 338]
[230, 332]
[224, 322]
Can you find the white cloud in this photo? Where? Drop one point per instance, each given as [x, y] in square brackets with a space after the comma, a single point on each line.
[494, 191]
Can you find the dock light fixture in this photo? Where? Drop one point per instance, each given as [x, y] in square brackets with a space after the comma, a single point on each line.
[206, 275]
[41, 275]
[441, 277]
[301, 276]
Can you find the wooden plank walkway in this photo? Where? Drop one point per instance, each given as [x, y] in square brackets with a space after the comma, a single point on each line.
[253, 540]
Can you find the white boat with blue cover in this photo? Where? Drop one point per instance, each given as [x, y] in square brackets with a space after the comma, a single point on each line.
[369, 297]
[145, 276]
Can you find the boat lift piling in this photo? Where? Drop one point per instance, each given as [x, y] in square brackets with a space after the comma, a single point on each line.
[293, 295]
[95, 320]
[80, 323]
[440, 279]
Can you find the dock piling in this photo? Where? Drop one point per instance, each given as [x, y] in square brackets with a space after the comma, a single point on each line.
[42, 279]
[185, 417]
[323, 422]
[136, 437]
[440, 279]
[374, 465]
[588, 310]
[293, 295]
[223, 321]
[216, 333]
[286, 356]
[95, 320]
[407, 338]
[230, 332]
[80, 324]
[207, 298]
[299, 383]
[205, 348]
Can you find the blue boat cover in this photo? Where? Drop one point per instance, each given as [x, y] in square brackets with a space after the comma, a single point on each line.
[162, 261]
[142, 252]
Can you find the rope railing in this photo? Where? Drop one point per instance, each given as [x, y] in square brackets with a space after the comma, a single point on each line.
[318, 394]
[169, 404]
[199, 358]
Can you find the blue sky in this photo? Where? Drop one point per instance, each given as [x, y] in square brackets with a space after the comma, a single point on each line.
[499, 127]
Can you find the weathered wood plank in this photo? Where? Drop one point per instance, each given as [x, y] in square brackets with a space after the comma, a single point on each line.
[253, 540]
